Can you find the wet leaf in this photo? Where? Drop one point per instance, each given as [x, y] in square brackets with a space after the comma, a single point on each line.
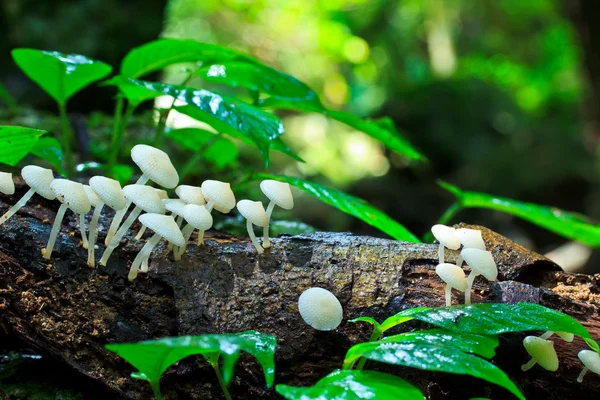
[50, 150]
[215, 148]
[135, 94]
[16, 142]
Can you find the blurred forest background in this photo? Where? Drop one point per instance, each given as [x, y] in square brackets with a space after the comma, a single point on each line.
[502, 96]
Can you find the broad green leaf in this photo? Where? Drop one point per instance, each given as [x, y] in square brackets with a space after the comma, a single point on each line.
[382, 130]
[135, 94]
[16, 142]
[50, 150]
[567, 224]
[260, 78]
[401, 317]
[354, 385]
[215, 148]
[432, 357]
[60, 75]
[156, 55]
[354, 206]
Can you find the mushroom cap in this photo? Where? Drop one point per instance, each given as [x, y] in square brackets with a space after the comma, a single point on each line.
[109, 191]
[7, 186]
[278, 192]
[445, 235]
[92, 196]
[470, 238]
[320, 309]
[482, 262]
[542, 351]
[72, 194]
[155, 164]
[253, 211]
[165, 226]
[220, 193]
[198, 217]
[567, 337]
[590, 359]
[162, 194]
[144, 197]
[39, 179]
[453, 275]
[174, 205]
[191, 194]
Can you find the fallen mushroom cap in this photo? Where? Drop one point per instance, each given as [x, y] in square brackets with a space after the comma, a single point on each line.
[253, 211]
[542, 351]
[198, 217]
[320, 309]
[72, 194]
[453, 275]
[220, 194]
[7, 186]
[278, 192]
[39, 180]
[109, 191]
[482, 262]
[590, 359]
[190, 194]
[156, 165]
[144, 197]
[175, 206]
[470, 238]
[92, 196]
[165, 226]
[445, 235]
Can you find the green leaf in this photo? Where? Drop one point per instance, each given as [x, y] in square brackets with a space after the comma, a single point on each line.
[401, 317]
[153, 357]
[16, 142]
[354, 385]
[368, 320]
[567, 224]
[432, 357]
[50, 150]
[161, 53]
[135, 94]
[592, 344]
[354, 206]
[60, 75]
[215, 148]
[121, 172]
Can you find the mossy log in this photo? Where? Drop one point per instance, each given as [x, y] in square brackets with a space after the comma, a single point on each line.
[70, 311]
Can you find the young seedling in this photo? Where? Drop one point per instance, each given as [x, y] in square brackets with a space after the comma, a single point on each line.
[542, 352]
[320, 309]
[454, 277]
[470, 239]
[591, 362]
[446, 236]
[279, 194]
[254, 212]
[197, 217]
[71, 195]
[94, 200]
[482, 263]
[38, 180]
[218, 196]
[7, 186]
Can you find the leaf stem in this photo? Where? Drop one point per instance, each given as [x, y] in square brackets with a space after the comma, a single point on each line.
[374, 336]
[156, 390]
[215, 365]
[114, 148]
[66, 138]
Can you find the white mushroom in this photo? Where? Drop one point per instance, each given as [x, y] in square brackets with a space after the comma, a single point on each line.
[542, 352]
[591, 362]
[454, 277]
[163, 196]
[218, 196]
[320, 309]
[175, 206]
[191, 194]
[110, 193]
[163, 226]
[445, 235]
[280, 194]
[93, 199]
[7, 186]
[197, 217]
[469, 238]
[254, 212]
[482, 263]
[145, 199]
[38, 180]
[71, 195]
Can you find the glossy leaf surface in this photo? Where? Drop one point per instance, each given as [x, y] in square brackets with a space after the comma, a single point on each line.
[134, 93]
[215, 148]
[50, 150]
[16, 142]
[354, 206]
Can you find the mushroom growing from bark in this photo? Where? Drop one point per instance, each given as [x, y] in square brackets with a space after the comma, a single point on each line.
[470, 239]
[591, 362]
[164, 226]
[191, 195]
[218, 196]
[71, 195]
[175, 206]
[542, 352]
[197, 217]
[445, 235]
[39, 180]
[279, 194]
[320, 309]
[93, 199]
[482, 263]
[163, 196]
[7, 186]
[454, 277]
[254, 212]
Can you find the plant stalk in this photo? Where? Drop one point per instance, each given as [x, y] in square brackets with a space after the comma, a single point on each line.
[121, 120]
[66, 137]
[215, 366]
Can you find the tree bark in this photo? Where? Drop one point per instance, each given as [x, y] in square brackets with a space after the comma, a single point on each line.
[70, 311]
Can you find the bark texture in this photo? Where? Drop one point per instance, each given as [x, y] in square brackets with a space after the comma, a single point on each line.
[70, 311]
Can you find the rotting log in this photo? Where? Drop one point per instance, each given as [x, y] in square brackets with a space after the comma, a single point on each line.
[70, 311]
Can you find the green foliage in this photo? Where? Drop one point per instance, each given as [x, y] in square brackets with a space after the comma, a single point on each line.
[348, 204]
[49, 149]
[354, 385]
[212, 147]
[592, 344]
[16, 142]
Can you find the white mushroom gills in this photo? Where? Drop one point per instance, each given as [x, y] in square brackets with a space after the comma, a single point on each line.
[469, 238]
[280, 194]
[71, 195]
[591, 362]
[218, 196]
[445, 235]
[320, 309]
[254, 212]
[454, 277]
[482, 263]
[197, 217]
[93, 199]
[38, 179]
[542, 352]
[7, 186]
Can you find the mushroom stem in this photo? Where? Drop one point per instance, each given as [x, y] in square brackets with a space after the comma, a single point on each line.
[529, 365]
[142, 180]
[140, 233]
[266, 243]
[187, 232]
[459, 260]
[84, 238]
[582, 374]
[114, 243]
[441, 253]
[47, 252]
[13, 210]
[470, 280]
[448, 295]
[179, 220]
[200, 238]
[547, 335]
[142, 255]
[116, 222]
[210, 205]
[94, 233]
[259, 249]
